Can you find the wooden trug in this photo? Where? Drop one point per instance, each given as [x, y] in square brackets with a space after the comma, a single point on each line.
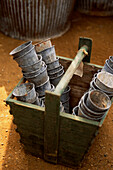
[57, 137]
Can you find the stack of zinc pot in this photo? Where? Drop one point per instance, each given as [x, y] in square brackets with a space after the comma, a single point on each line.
[25, 55]
[108, 66]
[103, 81]
[54, 68]
[26, 93]
[33, 68]
[93, 105]
[45, 86]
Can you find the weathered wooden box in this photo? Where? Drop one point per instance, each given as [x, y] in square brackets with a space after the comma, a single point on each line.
[57, 137]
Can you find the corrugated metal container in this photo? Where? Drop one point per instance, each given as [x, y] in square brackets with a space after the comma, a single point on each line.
[35, 19]
[95, 7]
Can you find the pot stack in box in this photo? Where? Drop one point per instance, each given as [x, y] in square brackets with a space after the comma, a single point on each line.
[26, 93]
[108, 66]
[54, 68]
[33, 68]
[41, 68]
[103, 81]
[95, 103]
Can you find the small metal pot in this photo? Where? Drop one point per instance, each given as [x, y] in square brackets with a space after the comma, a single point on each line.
[25, 92]
[56, 80]
[35, 72]
[98, 101]
[28, 58]
[105, 81]
[110, 94]
[87, 110]
[30, 74]
[39, 78]
[82, 114]
[22, 49]
[53, 65]
[107, 67]
[33, 67]
[52, 71]
[110, 61]
[57, 73]
[45, 86]
[48, 55]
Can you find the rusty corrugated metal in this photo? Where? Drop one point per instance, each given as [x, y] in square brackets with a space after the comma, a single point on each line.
[35, 19]
[95, 7]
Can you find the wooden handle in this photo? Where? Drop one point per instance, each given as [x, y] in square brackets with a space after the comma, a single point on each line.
[71, 70]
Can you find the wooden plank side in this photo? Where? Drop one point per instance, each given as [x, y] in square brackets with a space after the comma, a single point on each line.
[27, 120]
[28, 117]
[70, 147]
[25, 115]
[69, 159]
[32, 138]
[83, 138]
[27, 112]
[79, 119]
[75, 139]
[35, 150]
[30, 123]
[37, 130]
[74, 129]
[25, 104]
[51, 127]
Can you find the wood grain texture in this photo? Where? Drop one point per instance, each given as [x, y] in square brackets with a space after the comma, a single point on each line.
[30, 123]
[51, 127]
[74, 141]
[28, 118]
[34, 149]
